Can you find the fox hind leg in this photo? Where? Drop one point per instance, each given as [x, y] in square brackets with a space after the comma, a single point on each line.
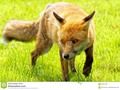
[89, 60]
[41, 48]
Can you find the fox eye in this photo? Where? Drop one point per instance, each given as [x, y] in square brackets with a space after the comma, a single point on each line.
[74, 41]
[62, 41]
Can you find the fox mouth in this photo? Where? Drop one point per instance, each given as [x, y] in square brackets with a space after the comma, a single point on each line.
[77, 52]
[68, 56]
[71, 55]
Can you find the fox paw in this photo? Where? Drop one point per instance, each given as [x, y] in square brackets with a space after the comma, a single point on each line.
[86, 71]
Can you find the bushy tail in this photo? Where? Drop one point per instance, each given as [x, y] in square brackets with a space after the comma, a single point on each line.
[20, 30]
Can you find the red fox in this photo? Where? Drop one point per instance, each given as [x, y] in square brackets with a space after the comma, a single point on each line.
[63, 23]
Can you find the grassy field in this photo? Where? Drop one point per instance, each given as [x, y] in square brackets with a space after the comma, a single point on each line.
[15, 57]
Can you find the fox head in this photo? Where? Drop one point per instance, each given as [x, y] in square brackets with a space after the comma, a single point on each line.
[73, 35]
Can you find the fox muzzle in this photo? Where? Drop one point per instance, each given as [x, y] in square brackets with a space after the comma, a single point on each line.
[68, 51]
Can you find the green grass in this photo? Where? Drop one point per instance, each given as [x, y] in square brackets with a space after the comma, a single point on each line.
[15, 57]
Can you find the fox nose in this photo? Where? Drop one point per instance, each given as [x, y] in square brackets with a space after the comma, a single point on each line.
[66, 56]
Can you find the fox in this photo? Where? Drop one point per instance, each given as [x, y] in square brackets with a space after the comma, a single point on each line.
[63, 23]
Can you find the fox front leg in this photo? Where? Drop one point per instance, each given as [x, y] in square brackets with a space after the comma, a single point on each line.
[64, 65]
[89, 60]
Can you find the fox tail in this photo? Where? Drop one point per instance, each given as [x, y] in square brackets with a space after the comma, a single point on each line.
[20, 30]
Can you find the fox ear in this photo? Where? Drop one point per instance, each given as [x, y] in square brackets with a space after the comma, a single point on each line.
[89, 17]
[60, 19]
[86, 20]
